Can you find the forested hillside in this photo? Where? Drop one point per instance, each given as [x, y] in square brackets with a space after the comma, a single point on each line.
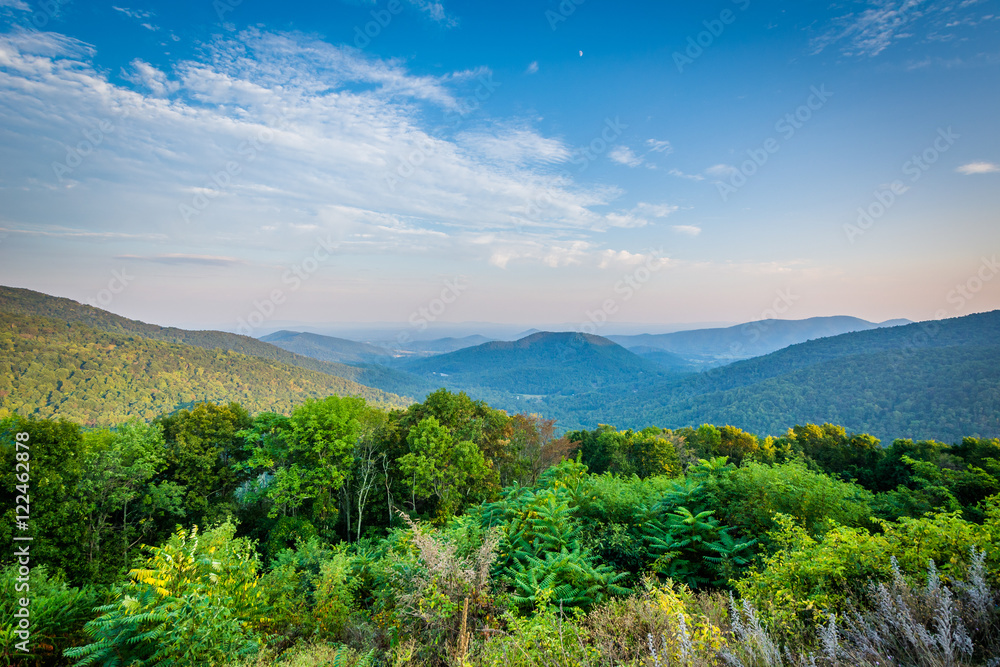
[937, 379]
[55, 368]
[543, 363]
[327, 348]
[21, 301]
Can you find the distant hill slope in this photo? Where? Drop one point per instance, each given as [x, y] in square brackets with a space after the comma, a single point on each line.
[930, 380]
[27, 302]
[57, 368]
[327, 348]
[669, 361]
[443, 345]
[542, 363]
[751, 339]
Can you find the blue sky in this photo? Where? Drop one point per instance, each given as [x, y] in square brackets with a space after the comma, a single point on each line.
[207, 164]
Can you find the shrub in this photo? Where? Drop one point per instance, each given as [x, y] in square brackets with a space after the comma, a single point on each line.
[196, 601]
[661, 621]
[754, 493]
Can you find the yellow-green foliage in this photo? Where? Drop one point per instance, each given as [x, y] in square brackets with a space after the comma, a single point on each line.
[756, 491]
[807, 577]
[662, 616]
[547, 637]
[196, 600]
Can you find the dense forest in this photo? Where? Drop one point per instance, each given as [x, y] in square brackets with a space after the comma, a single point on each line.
[453, 533]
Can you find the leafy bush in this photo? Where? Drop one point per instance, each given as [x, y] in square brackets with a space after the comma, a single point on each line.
[196, 601]
[660, 621]
[808, 577]
[754, 493]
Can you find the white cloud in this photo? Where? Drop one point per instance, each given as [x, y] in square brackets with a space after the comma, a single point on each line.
[680, 174]
[16, 4]
[721, 170]
[151, 78]
[624, 155]
[532, 68]
[515, 146]
[436, 11]
[183, 258]
[554, 255]
[319, 139]
[639, 216]
[658, 146]
[688, 230]
[875, 28]
[978, 168]
[625, 259]
[656, 210]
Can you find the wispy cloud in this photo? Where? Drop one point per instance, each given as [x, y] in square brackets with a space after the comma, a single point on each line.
[877, 24]
[515, 146]
[532, 68]
[721, 170]
[624, 155]
[659, 146]
[623, 258]
[310, 134]
[687, 230]
[680, 174]
[978, 168]
[180, 258]
[138, 15]
[436, 12]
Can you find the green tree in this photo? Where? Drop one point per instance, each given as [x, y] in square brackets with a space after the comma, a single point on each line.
[203, 446]
[114, 491]
[439, 467]
[303, 461]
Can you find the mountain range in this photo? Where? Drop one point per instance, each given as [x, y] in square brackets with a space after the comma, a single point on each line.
[752, 339]
[891, 379]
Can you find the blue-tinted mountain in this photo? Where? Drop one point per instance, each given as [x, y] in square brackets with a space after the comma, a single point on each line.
[750, 339]
[540, 364]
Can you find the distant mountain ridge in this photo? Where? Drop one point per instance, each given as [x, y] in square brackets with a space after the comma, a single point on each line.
[327, 348]
[751, 339]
